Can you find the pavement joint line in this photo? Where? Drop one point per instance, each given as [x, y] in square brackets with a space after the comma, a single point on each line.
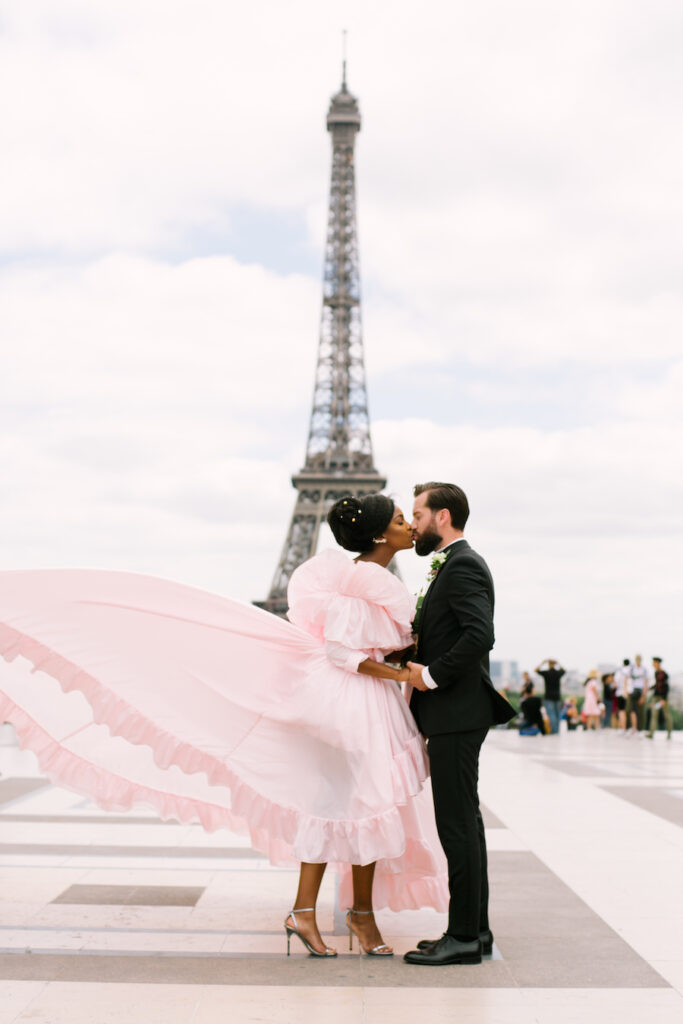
[164, 954]
[111, 850]
[92, 929]
[87, 819]
[67, 866]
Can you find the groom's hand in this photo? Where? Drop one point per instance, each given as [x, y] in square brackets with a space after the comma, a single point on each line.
[415, 679]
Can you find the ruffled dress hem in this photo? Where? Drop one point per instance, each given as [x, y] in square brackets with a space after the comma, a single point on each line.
[284, 834]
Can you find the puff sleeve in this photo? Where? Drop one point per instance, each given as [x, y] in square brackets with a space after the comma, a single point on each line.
[356, 609]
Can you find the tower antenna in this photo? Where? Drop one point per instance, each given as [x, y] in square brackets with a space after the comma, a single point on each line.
[344, 35]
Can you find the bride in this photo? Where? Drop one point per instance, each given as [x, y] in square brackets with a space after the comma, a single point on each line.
[144, 691]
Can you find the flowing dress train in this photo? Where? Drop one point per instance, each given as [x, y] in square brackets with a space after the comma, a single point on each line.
[134, 690]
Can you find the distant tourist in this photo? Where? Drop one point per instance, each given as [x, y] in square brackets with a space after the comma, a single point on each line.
[609, 715]
[622, 689]
[639, 681]
[532, 722]
[659, 700]
[591, 705]
[525, 683]
[570, 712]
[552, 699]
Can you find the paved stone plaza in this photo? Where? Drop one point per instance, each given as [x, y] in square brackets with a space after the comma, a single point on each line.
[108, 918]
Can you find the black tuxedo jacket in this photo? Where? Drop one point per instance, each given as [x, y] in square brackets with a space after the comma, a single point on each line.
[454, 640]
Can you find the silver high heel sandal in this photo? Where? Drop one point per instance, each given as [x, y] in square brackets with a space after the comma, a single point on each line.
[295, 931]
[381, 950]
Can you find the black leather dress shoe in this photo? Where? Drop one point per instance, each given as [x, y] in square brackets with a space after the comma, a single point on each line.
[486, 939]
[446, 950]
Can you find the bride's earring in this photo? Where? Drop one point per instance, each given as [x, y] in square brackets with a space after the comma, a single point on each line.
[379, 540]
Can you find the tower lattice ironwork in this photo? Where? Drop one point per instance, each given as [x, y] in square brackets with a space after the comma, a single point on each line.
[339, 459]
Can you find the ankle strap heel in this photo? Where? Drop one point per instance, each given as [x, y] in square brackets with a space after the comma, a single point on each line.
[381, 950]
[289, 931]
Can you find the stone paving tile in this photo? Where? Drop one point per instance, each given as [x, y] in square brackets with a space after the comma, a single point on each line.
[15, 996]
[653, 799]
[627, 1006]
[15, 788]
[132, 895]
[491, 820]
[69, 1003]
[575, 768]
[20, 851]
[276, 1005]
[299, 969]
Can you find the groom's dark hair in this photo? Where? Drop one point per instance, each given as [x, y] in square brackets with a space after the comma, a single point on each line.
[448, 496]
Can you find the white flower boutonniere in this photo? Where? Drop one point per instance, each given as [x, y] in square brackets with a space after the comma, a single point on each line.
[437, 561]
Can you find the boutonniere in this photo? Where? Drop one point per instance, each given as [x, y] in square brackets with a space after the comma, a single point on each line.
[437, 563]
[438, 560]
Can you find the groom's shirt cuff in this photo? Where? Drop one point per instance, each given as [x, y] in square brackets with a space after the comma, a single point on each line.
[427, 679]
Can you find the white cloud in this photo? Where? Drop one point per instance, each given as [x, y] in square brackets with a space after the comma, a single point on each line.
[143, 414]
[155, 336]
[520, 224]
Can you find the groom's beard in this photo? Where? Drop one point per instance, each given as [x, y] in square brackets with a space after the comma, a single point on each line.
[425, 544]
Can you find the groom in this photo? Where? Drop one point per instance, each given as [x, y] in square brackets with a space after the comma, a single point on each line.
[455, 704]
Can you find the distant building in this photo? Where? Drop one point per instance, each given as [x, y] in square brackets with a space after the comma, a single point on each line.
[505, 673]
[572, 681]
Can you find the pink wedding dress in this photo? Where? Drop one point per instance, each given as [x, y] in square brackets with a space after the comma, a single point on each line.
[147, 692]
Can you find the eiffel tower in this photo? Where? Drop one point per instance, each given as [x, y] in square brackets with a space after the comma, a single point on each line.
[339, 458]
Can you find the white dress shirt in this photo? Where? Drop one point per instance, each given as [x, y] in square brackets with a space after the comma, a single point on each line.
[426, 677]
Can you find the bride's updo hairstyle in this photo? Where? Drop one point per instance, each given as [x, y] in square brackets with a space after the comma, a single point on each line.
[355, 522]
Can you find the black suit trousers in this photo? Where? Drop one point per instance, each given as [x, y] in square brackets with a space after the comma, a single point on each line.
[454, 760]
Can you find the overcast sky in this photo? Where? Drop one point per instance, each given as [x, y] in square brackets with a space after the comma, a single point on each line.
[163, 191]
